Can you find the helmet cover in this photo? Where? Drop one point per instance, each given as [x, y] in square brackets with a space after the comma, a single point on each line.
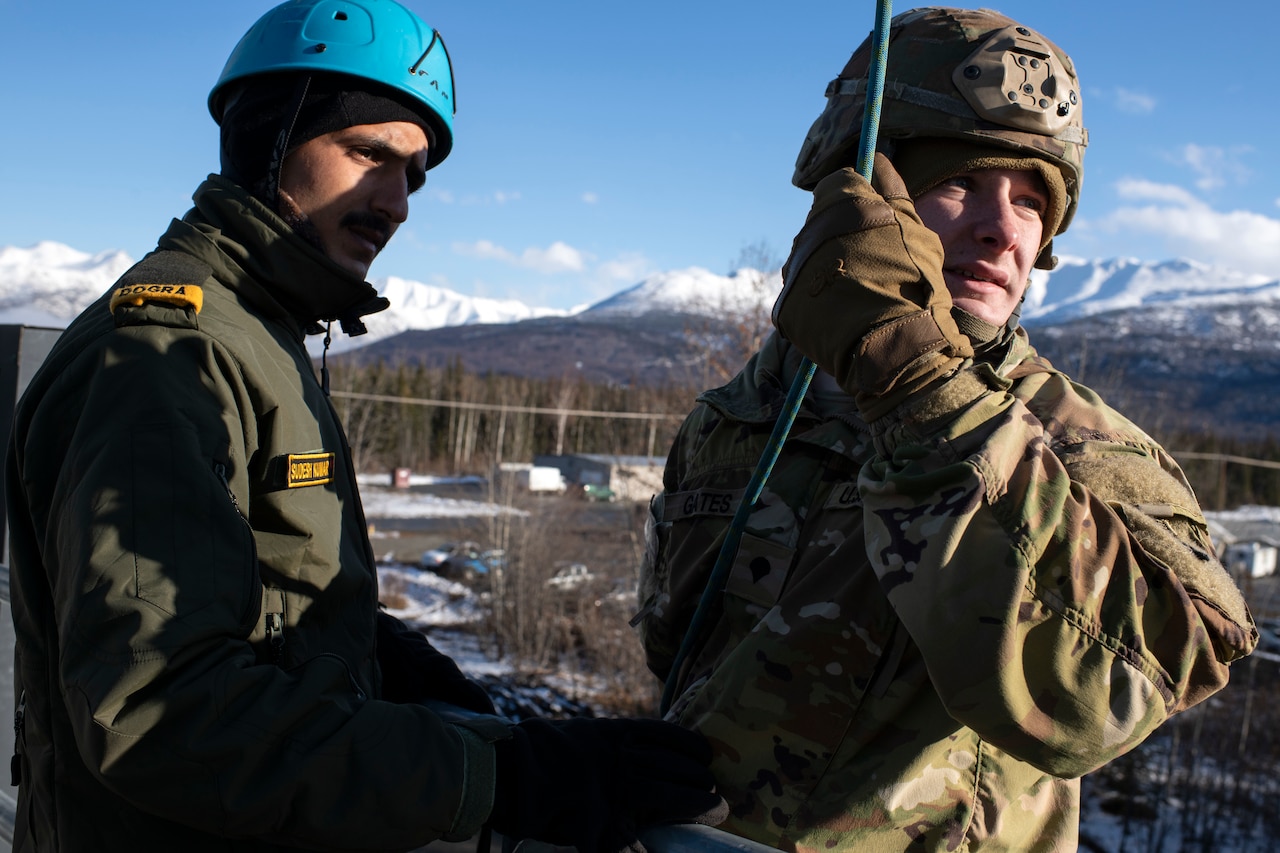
[970, 75]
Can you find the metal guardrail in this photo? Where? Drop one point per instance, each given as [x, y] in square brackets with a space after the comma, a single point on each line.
[672, 838]
[692, 838]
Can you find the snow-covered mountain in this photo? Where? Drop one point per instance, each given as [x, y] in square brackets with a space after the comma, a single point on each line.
[1081, 288]
[415, 305]
[1077, 288]
[49, 283]
[692, 291]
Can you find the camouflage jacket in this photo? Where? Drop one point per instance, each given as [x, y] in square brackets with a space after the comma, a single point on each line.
[932, 628]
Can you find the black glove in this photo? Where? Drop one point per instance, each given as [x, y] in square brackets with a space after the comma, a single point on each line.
[592, 783]
[413, 671]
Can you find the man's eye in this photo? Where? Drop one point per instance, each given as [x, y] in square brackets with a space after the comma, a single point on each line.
[415, 176]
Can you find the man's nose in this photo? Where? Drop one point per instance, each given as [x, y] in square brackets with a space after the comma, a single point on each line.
[391, 199]
[998, 224]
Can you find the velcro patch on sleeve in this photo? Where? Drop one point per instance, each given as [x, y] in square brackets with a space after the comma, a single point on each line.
[844, 496]
[181, 295]
[698, 502]
[310, 469]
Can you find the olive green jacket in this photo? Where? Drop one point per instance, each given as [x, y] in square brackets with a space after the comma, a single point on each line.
[194, 593]
[931, 629]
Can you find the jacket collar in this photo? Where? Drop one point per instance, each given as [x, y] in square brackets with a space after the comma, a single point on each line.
[260, 257]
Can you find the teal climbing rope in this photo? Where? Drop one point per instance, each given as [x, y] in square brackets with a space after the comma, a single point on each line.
[799, 386]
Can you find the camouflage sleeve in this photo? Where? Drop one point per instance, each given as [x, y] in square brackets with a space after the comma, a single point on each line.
[1053, 566]
[667, 604]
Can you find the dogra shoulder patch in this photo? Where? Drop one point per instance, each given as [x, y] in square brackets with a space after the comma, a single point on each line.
[166, 276]
[180, 295]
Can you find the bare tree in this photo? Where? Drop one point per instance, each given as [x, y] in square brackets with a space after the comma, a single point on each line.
[731, 326]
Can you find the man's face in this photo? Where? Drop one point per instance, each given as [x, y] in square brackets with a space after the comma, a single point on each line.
[349, 190]
[990, 222]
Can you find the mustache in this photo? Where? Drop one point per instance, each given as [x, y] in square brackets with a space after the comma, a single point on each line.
[371, 222]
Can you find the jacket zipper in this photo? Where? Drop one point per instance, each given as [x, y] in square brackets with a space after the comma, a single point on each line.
[275, 637]
[19, 723]
[274, 621]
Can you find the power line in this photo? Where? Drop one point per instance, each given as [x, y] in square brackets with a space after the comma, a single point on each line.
[504, 407]
[1224, 457]
[661, 416]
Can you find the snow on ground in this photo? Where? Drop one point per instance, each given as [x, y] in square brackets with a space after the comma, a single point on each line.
[381, 479]
[385, 502]
[441, 607]
[452, 615]
[427, 599]
[1248, 513]
[447, 611]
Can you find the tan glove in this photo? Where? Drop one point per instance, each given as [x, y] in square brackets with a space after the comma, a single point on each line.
[863, 295]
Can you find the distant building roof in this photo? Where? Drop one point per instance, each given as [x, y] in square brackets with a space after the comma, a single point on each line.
[1247, 524]
[611, 459]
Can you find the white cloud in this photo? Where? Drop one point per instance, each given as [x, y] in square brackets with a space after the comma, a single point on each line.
[498, 197]
[596, 279]
[1215, 166]
[1137, 189]
[590, 198]
[484, 249]
[440, 196]
[1138, 103]
[1238, 239]
[557, 258]
[629, 269]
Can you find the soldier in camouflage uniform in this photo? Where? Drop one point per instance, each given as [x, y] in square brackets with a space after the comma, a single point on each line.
[968, 580]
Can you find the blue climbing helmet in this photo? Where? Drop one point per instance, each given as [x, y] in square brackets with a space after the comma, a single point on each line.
[375, 40]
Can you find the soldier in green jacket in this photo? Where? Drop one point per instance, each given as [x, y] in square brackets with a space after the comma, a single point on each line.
[968, 581]
[201, 664]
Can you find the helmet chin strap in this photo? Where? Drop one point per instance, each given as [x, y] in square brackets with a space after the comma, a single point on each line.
[281, 148]
[324, 358]
[1047, 260]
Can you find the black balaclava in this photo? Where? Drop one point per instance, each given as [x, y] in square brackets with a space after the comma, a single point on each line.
[270, 115]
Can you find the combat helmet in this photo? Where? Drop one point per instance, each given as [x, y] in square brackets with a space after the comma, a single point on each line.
[972, 75]
[379, 41]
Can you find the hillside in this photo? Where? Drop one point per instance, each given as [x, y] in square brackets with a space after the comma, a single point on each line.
[1178, 366]
[652, 349]
[1206, 368]
[1168, 340]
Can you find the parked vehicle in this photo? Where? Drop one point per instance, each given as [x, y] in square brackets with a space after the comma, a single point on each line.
[463, 561]
[571, 576]
[1269, 636]
[593, 492]
[542, 479]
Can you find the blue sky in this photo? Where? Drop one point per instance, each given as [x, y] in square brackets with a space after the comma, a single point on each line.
[599, 142]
